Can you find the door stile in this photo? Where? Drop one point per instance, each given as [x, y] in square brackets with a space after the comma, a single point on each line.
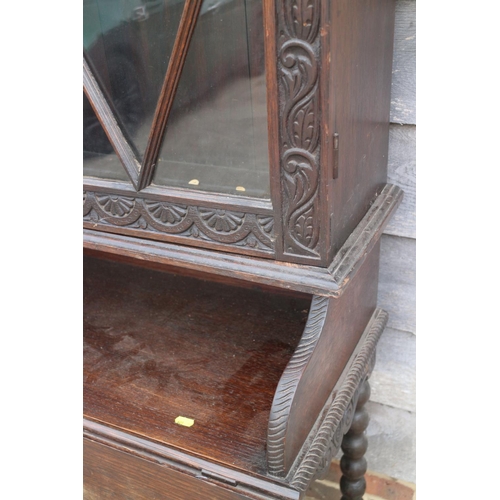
[273, 117]
[110, 125]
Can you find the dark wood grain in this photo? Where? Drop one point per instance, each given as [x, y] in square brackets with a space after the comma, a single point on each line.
[329, 339]
[172, 77]
[110, 125]
[309, 279]
[110, 473]
[249, 485]
[360, 87]
[306, 279]
[334, 421]
[365, 236]
[159, 346]
[271, 30]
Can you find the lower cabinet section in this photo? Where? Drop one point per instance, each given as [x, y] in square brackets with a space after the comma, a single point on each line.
[195, 389]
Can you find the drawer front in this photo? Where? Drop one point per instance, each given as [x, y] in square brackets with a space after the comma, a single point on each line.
[114, 474]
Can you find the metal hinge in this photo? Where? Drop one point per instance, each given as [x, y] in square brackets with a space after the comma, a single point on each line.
[217, 477]
[335, 155]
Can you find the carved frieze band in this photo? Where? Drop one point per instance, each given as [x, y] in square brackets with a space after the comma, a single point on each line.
[161, 217]
[288, 383]
[298, 70]
[337, 421]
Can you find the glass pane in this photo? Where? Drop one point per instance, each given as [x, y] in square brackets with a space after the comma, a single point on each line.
[216, 136]
[128, 45]
[99, 157]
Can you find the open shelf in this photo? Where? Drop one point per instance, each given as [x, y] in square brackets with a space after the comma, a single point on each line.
[159, 345]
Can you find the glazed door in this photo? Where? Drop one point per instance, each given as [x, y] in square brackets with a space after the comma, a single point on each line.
[195, 132]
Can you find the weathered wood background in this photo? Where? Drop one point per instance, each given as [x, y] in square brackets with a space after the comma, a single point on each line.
[391, 432]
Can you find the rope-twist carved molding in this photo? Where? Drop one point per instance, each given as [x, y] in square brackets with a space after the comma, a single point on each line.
[323, 445]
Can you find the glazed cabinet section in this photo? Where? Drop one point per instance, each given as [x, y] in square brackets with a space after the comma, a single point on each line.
[245, 126]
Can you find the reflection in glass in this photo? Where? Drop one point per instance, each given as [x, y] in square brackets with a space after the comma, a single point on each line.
[99, 157]
[128, 45]
[216, 136]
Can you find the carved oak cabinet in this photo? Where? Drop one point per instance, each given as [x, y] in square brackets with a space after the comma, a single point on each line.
[235, 157]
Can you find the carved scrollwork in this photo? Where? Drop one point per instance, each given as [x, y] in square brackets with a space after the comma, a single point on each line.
[298, 56]
[198, 223]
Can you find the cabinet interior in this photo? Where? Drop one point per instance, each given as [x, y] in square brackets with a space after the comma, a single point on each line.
[159, 345]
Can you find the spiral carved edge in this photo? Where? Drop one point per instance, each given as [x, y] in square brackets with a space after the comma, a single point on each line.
[327, 440]
[288, 383]
[198, 223]
[298, 84]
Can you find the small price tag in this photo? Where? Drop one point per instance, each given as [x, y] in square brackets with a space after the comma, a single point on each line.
[186, 422]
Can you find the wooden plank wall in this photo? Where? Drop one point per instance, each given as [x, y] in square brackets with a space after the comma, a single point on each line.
[391, 432]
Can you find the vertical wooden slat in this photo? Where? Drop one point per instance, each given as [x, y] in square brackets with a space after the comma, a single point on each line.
[273, 114]
[172, 77]
[108, 121]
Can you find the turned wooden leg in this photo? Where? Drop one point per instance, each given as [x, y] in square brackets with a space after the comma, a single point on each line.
[354, 444]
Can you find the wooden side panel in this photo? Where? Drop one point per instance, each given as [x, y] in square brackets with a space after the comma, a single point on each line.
[346, 320]
[332, 332]
[113, 474]
[361, 53]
